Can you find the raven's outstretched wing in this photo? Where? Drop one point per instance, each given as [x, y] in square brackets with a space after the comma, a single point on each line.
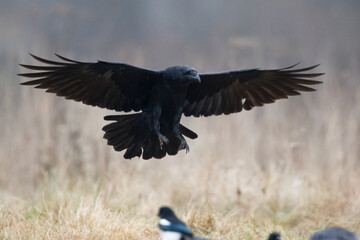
[229, 92]
[108, 85]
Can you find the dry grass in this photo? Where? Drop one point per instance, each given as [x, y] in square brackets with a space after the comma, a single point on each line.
[290, 167]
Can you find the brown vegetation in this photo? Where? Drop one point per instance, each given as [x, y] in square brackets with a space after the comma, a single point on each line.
[292, 166]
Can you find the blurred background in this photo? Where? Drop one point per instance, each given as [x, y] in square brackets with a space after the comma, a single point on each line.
[294, 159]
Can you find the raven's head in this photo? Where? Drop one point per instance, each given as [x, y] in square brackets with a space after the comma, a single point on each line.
[182, 75]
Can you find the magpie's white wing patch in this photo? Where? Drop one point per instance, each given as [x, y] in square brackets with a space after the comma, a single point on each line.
[164, 222]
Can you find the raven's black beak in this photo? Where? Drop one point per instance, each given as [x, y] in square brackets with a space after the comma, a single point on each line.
[193, 76]
[197, 78]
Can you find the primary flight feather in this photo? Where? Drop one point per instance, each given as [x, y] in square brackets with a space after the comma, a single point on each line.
[161, 97]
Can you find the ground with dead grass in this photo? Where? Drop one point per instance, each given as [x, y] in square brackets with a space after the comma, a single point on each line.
[292, 166]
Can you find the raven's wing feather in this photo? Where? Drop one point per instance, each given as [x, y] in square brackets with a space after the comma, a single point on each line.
[117, 86]
[229, 92]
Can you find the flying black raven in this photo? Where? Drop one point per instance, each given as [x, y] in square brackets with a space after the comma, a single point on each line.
[162, 97]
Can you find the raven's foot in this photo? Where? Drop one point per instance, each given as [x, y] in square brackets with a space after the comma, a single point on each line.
[162, 140]
[184, 145]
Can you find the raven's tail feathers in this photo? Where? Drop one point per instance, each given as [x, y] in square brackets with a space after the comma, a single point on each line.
[133, 133]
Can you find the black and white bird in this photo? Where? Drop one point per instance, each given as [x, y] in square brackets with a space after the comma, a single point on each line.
[171, 227]
[334, 233]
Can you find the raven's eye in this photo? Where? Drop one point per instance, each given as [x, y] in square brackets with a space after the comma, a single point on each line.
[191, 72]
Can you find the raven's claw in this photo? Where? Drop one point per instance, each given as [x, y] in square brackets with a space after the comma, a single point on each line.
[184, 145]
[162, 140]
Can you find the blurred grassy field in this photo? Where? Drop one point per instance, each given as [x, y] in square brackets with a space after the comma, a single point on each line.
[292, 166]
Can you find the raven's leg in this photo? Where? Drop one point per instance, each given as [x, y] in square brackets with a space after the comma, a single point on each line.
[156, 113]
[176, 130]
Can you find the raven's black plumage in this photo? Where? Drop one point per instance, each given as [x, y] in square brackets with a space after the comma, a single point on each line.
[162, 97]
